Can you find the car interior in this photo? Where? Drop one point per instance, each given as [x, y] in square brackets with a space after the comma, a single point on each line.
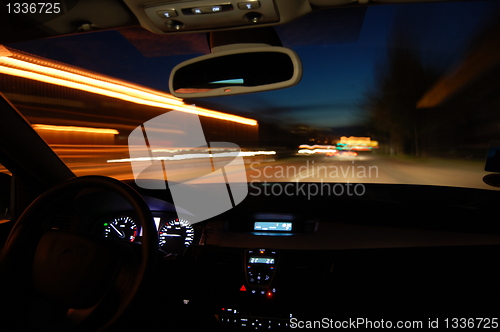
[93, 240]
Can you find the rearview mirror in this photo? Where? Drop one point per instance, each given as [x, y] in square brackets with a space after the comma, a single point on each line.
[232, 71]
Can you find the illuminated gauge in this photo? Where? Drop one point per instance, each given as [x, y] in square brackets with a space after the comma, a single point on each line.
[176, 235]
[121, 228]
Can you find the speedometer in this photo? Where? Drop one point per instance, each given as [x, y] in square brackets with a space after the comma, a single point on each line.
[122, 227]
[176, 235]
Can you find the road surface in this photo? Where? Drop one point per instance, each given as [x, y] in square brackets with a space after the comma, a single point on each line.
[364, 168]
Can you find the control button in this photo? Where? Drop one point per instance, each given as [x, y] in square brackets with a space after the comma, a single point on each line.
[207, 10]
[213, 9]
[167, 13]
[249, 5]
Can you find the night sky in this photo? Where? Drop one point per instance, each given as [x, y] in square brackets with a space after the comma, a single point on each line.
[341, 51]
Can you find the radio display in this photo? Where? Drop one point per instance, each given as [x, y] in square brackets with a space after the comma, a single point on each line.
[261, 260]
[272, 226]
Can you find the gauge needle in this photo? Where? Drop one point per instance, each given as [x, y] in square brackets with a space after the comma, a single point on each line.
[120, 233]
[173, 235]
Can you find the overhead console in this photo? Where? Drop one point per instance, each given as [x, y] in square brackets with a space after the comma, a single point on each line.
[202, 15]
[174, 16]
[195, 15]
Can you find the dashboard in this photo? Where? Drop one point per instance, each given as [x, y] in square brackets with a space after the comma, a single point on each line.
[176, 234]
[263, 266]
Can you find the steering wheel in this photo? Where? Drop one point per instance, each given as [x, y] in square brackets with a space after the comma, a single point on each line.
[87, 283]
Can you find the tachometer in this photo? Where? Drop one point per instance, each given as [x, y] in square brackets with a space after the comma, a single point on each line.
[122, 227]
[175, 235]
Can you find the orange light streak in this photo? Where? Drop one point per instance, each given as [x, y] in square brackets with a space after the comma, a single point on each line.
[76, 129]
[135, 94]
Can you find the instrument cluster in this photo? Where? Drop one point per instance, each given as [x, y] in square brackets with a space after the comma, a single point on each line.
[174, 234]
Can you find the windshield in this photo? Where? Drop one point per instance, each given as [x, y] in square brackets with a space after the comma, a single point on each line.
[389, 94]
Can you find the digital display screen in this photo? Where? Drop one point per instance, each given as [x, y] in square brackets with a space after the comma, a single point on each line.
[272, 226]
[261, 260]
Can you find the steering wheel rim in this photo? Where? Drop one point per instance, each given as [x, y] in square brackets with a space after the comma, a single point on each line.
[29, 228]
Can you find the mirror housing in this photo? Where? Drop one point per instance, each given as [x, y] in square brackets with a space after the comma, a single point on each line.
[236, 69]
